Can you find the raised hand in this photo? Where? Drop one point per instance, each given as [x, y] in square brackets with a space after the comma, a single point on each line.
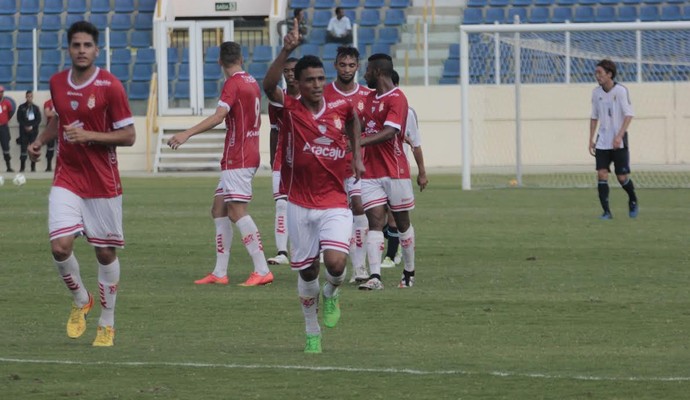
[292, 38]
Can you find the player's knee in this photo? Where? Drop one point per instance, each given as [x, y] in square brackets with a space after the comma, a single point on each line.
[310, 273]
[61, 249]
[335, 262]
[106, 255]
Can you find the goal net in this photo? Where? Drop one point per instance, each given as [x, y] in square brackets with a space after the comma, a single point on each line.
[544, 74]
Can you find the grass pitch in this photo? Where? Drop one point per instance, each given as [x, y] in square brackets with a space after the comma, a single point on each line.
[521, 294]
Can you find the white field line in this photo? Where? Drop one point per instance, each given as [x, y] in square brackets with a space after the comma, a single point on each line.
[406, 371]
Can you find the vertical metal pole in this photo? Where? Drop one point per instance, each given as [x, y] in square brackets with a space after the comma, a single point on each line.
[426, 54]
[567, 56]
[34, 59]
[518, 113]
[497, 58]
[638, 54]
[464, 110]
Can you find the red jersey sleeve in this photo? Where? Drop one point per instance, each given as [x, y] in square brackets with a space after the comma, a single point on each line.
[119, 110]
[229, 94]
[397, 113]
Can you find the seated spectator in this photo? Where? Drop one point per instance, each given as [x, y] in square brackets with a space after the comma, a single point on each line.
[297, 14]
[339, 28]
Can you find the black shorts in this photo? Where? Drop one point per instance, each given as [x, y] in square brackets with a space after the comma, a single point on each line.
[619, 157]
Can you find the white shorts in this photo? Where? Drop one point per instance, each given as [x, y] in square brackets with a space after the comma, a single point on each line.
[397, 193]
[99, 219]
[310, 231]
[277, 194]
[353, 188]
[236, 184]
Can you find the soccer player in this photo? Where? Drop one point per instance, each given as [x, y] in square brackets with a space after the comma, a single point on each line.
[345, 87]
[313, 174]
[612, 111]
[414, 140]
[93, 118]
[387, 178]
[275, 117]
[239, 106]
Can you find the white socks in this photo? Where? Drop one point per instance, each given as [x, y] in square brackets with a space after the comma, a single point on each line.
[69, 272]
[281, 225]
[407, 241]
[375, 243]
[223, 243]
[330, 289]
[252, 241]
[108, 279]
[309, 298]
[358, 250]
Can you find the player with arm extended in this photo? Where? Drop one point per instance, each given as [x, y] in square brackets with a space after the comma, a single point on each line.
[276, 151]
[345, 87]
[387, 179]
[314, 171]
[93, 118]
[612, 111]
[240, 107]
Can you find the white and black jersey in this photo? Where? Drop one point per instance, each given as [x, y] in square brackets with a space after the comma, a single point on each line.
[610, 109]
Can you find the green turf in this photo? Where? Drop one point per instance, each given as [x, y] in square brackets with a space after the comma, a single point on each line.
[520, 294]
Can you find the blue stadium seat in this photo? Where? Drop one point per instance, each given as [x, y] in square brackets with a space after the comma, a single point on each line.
[121, 22]
[567, 2]
[25, 74]
[212, 72]
[53, 7]
[262, 54]
[45, 72]
[100, 20]
[7, 23]
[76, 6]
[381, 48]
[454, 51]
[521, 3]
[185, 55]
[100, 6]
[24, 40]
[48, 40]
[649, 13]
[147, 6]
[124, 6]
[173, 55]
[584, 14]
[351, 15]
[143, 21]
[330, 50]
[183, 72]
[142, 72]
[181, 90]
[72, 18]
[321, 18]
[51, 57]
[544, 3]
[211, 90]
[451, 68]
[609, 2]
[539, 15]
[686, 13]
[377, 4]
[300, 4]
[605, 14]
[653, 1]
[498, 3]
[258, 70]
[389, 35]
[328, 4]
[121, 56]
[141, 39]
[118, 40]
[495, 15]
[7, 58]
[311, 49]
[330, 71]
[25, 57]
[626, 14]
[27, 23]
[51, 22]
[121, 71]
[399, 4]
[477, 3]
[473, 16]
[212, 54]
[588, 2]
[366, 35]
[317, 36]
[448, 81]
[519, 11]
[394, 17]
[349, 3]
[5, 70]
[562, 14]
[146, 56]
[8, 7]
[29, 7]
[138, 90]
[370, 18]
[670, 13]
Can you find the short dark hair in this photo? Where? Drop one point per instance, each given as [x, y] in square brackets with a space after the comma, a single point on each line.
[291, 59]
[347, 51]
[395, 78]
[382, 62]
[82, 27]
[296, 12]
[29, 91]
[307, 62]
[337, 9]
[608, 66]
[230, 53]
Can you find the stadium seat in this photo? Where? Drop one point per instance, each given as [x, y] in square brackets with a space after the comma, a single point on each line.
[53, 7]
[262, 54]
[8, 7]
[142, 72]
[654, 1]
[330, 71]
[544, 3]
[670, 13]
[100, 20]
[321, 18]
[448, 81]
[519, 11]
[183, 72]
[121, 56]
[51, 23]
[7, 23]
[311, 49]
[562, 14]
[686, 13]
[121, 71]
[389, 35]
[173, 55]
[584, 14]
[588, 2]
[366, 35]
[48, 40]
[399, 4]
[147, 56]
[626, 14]
[25, 57]
[330, 50]
[300, 4]
[211, 90]
[72, 18]
[27, 23]
[29, 7]
[76, 6]
[454, 51]
[377, 4]
[567, 2]
[381, 48]
[370, 18]
[394, 17]
[258, 70]
[327, 4]
[609, 2]
[46, 72]
[143, 21]
[124, 6]
[349, 3]
[141, 39]
[25, 74]
[147, 6]
[7, 57]
[212, 72]
[498, 3]
[100, 6]
[632, 2]
[451, 68]
[521, 3]
[138, 90]
[494, 15]
[473, 16]
[212, 55]
[181, 90]
[649, 13]
[351, 15]
[605, 14]
[6, 43]
[477, 3]
[118, 40]
[24, 40]
[121, 22]
[539, 15]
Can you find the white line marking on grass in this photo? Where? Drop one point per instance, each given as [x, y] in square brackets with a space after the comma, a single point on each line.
[406, 371]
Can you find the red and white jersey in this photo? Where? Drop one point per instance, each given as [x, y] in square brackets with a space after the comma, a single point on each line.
[356, 97]
[5, 110]
[89, 170]
[386, 159]
[275, 116]
[242, 98]
[315, 165]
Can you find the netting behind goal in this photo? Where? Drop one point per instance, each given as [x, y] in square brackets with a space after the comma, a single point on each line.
[563, 54]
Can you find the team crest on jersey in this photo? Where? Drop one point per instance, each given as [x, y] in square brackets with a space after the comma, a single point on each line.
[381, 107]
[74, 104]
[360, 105]
[322, 129]
[338, 123]
[92, 102]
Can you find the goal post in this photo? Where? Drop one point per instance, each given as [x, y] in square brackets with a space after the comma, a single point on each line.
[644, 51]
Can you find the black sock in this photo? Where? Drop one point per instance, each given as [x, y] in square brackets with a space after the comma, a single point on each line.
[603, 187]
[630, 190]
[393, 242]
